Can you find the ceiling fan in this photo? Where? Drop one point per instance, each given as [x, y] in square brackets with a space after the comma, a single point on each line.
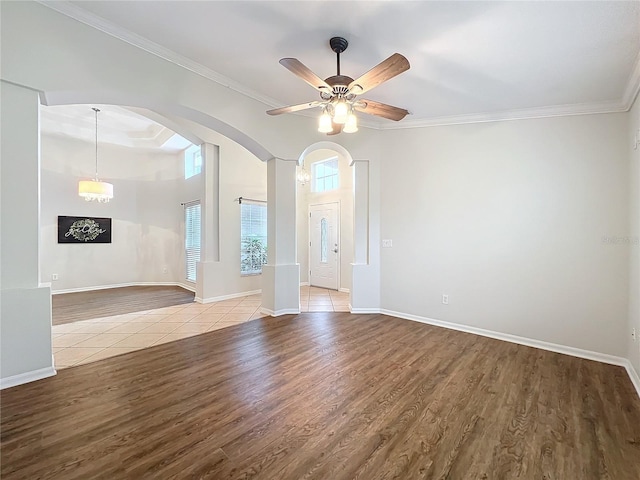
[339, 93]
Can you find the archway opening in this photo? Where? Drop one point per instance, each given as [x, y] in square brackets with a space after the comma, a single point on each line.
[325, 227]
[149, 220]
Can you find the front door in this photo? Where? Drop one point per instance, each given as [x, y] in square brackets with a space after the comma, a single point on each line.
[324, 221]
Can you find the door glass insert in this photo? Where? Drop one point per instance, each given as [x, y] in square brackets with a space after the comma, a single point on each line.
[324, 244]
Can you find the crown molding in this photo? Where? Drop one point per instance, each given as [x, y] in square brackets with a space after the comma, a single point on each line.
[631, 90]
[633, 85]
[105, 26]
[517, 114]
[486, 117]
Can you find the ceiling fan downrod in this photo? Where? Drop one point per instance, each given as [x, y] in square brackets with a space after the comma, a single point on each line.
[338, 45]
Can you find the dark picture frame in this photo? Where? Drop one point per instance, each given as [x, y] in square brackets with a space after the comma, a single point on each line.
[84, 229]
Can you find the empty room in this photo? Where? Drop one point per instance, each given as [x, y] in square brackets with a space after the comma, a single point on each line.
[320, 240]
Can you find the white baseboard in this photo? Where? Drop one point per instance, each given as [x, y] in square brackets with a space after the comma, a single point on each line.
[27, 377]
[277, 313]
[529, 342]
[120, 285]
[191, 287]
[344, 290]
[633, 375]
[304, 284]
[227, 297]
[364, 310]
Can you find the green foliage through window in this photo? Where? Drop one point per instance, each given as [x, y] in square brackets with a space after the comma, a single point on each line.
[253, 238]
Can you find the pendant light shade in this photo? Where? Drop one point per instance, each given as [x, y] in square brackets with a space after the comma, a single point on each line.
[303, 176]
[324, 125]
[351, 125]
[341, 112]
[95, 190]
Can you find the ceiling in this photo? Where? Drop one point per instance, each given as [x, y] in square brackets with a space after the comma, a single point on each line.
[116, 126]
[470, 61]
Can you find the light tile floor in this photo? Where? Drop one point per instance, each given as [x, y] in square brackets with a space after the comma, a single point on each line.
[90, 340]
[314, 299]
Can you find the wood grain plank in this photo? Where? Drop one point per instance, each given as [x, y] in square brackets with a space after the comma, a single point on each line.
[326, 396]
[74, 307]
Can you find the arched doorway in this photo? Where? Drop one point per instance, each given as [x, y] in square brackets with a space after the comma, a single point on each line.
[325, 220]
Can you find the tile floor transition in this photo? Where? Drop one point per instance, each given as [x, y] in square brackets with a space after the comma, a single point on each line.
[90, 340]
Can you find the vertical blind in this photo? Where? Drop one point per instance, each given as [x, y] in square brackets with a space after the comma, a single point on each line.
[192, 238]
[253, 237]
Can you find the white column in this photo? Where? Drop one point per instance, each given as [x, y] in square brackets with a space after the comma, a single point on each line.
[364, 291]
[25, 307]
[209, 277]
[281, 275]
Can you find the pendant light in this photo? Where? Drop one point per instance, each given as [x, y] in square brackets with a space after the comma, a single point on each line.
[303, 176]
[95, 190]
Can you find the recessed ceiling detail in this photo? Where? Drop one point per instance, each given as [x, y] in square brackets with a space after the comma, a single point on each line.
[118, 126]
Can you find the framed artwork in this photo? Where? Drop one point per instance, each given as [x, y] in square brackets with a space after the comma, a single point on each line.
[84, 229]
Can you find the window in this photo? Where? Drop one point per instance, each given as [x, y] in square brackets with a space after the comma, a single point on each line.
[253, 237]
[192, 238]
[325, 175]
[192, 161]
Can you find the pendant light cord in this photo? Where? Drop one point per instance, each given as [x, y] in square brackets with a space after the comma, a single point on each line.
[96, 110]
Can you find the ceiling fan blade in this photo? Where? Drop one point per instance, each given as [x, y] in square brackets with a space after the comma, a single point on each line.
[380, 109]
[385, 70]
[297, 67]
[293, 108]
[337, 128]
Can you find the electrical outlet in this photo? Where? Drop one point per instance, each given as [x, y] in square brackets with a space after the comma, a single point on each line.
[165, 270]
[387, 243]
[445, 299]
[54, 277]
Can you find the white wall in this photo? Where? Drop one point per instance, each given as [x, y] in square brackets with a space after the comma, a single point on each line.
[242, 174]
[507, 219]
[344, 197]
[145, 211]
[147, 216]
[25, 307]
[633, 348]
[44, 51]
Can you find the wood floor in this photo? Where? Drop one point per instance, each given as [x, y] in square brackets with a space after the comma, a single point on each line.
[73, 307]
[326, 396]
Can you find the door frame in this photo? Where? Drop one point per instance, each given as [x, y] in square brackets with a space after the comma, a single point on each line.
[339, 259]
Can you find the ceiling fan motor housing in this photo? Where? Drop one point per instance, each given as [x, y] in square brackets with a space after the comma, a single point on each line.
[338, 44]
[339, 86]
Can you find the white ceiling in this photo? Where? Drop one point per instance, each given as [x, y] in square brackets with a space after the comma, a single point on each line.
[470, 61]
[116, 126]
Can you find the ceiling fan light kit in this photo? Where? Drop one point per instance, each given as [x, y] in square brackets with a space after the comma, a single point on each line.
[351, 125]
[325, 125]
[338, 93]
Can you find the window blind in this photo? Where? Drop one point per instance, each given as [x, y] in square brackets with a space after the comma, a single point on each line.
[192, 238]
